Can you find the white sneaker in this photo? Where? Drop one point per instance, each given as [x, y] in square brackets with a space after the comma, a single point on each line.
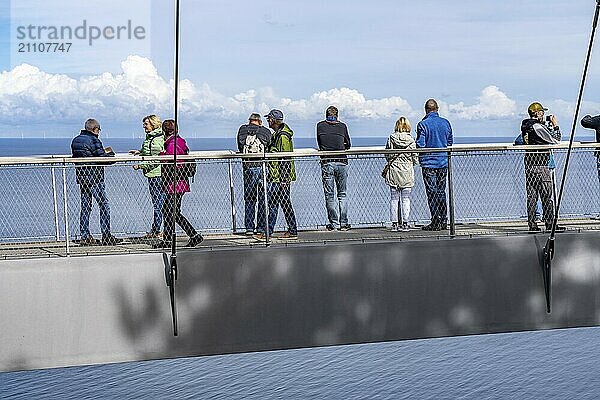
[394, 227]
[405, 227]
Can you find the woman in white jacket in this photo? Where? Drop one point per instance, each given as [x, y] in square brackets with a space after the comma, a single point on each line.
[400, 175]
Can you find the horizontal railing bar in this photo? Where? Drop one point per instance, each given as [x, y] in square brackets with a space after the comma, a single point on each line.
[298, 153]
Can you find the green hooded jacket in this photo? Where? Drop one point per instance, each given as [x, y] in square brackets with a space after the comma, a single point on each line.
[152, 146]
[282, 170]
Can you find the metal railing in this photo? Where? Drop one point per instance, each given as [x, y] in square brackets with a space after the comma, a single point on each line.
[40, 199]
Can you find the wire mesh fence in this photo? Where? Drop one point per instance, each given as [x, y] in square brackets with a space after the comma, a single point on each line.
[42, 201]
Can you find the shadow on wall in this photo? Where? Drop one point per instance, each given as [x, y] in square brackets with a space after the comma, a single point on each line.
[303, 296]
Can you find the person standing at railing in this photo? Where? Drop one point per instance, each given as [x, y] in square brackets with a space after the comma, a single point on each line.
[538, 179]
[253, 138]
[90, 178]
[153, 145]
[175, 184]
[332, 135]
[281, 174]
[435, 132]
[594, 123]
[399, 173]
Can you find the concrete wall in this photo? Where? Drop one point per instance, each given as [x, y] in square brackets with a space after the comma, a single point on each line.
[87, 310]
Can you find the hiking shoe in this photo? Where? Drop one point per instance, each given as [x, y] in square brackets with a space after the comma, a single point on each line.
[345, 227]
[151, 235]
[289, 236]
[110, 240]
[89, 241]
[405, 227]
[534, 229]
[259, 236]
[330, 227]
[559, 228]
[431, 227]
[195, 240]
[161, 244]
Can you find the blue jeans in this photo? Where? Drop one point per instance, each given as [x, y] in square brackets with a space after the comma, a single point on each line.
[158, 198]
[435, 187]
[279, 195]
[598, 165]
[253, 192]
[98, 192]
[335, 176]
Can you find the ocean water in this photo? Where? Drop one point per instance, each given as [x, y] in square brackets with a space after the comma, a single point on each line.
[556, 364]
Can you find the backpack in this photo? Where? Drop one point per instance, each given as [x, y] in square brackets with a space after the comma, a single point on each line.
[189, 168]
[253, 145]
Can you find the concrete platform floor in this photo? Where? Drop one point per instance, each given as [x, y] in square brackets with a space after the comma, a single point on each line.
[232, 240]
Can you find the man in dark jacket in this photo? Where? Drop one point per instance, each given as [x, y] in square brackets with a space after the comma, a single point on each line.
[332, 135]
[253, 138]
[434, 132]
[538, 179]
[594, 123]
[90, 178]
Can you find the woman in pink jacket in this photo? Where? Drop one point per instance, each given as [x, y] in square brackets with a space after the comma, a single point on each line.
[175, 189]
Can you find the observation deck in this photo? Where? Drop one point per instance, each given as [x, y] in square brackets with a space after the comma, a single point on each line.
[485, 195]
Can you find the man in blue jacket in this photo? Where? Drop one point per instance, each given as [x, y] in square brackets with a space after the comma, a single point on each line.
[434, 132]
[90, 178]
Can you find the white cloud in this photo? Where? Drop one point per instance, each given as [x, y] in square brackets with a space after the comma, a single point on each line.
[27, 94]
[492, 104]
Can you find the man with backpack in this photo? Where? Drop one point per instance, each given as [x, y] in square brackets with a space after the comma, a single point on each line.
[281, 174]
[253, 138]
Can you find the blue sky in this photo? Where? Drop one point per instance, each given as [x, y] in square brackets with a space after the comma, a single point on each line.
[484, 60]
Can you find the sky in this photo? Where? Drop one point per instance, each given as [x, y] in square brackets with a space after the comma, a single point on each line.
[484, 61]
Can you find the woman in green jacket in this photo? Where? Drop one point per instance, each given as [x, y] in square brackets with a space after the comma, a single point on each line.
[152, 146]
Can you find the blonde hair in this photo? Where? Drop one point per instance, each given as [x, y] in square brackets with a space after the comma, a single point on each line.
[154, 121]
[402, 125]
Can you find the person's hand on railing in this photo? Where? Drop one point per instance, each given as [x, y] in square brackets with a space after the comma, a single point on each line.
[136, 166]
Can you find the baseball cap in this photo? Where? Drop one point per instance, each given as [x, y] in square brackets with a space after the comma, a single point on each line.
[535, 107]
[275, 114]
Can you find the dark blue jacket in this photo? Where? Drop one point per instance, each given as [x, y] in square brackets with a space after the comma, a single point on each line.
[86, 144]
[434, 132]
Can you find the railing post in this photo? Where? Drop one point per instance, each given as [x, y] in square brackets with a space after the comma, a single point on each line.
[55, 203]
[451, 196]
[65, 201]
[232, 197]
[265, 194]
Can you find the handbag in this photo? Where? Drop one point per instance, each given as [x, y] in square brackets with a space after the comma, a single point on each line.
[387, 166]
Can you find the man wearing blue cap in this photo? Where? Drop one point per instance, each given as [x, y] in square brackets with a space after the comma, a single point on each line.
[281, 173]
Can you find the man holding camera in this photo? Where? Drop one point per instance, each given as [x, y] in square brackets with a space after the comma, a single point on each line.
[538, 179]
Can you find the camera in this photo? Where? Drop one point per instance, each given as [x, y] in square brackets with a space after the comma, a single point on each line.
[549, 120]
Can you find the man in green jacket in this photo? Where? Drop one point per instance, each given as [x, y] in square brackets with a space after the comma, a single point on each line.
[152, 146]
[280, 175]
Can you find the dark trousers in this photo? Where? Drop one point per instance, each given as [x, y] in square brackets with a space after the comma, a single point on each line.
[171, 212]
[98, 192]
[279, 195]
[538, 182]
[253, 191]
[435, 187]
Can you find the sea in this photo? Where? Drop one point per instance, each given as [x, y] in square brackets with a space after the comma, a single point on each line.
[552, 364]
